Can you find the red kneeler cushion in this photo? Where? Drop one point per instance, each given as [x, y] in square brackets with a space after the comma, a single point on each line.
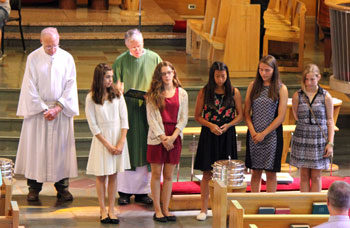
[186, 187]
[193, 187]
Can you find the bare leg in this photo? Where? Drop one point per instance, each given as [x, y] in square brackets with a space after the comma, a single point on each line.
[255, 182]
[167, 187]
[305, 179]
[205, 190]
[112, 190]
[271, 181]
[155, 188]
[316, 180]
[101, 193]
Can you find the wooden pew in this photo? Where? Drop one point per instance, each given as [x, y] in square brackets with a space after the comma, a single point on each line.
[277, 18]
[240, 219]
[299, 203]
[215, 38]
[289, 28]
[9, 211]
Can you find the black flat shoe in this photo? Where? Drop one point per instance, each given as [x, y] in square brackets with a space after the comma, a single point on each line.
[123, 201]
[144, 199]
[105, 220]
[171, 218]
[113, 221]
[161, 219]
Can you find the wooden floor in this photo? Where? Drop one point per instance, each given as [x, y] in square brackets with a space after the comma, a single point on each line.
[42, 15]
[88, 24]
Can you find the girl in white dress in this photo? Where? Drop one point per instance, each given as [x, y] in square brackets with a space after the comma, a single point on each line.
[108, 121]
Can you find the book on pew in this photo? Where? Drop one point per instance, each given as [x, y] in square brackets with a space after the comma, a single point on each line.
[282, 211]
[320, 208]
[266, 210]
[299, 226]
[137, 94]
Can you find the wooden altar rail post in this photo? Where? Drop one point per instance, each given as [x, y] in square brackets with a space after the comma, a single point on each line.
[9, 211]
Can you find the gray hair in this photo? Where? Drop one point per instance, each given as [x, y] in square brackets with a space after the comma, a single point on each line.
[132, 34]
[339, 195]
[49, 31]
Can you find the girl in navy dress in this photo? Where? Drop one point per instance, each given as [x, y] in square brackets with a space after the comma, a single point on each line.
[264, 111]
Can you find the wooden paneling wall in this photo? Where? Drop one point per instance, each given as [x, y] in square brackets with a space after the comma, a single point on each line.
[181, 6]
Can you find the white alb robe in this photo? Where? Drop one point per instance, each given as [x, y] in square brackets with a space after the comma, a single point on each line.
[46, 150]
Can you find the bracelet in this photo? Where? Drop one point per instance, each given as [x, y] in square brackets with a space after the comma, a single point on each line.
[330, 143]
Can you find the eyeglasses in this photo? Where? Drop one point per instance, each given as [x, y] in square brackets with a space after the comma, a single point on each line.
[51, 47]
[167, 73]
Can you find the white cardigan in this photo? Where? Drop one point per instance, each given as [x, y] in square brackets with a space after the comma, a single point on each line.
[155, 122]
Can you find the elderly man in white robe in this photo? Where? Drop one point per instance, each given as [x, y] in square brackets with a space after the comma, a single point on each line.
[48, 102]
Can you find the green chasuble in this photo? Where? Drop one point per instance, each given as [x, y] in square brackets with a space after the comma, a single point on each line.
[136, 73]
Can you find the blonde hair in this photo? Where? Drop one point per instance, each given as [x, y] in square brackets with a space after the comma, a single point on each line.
[310, 68]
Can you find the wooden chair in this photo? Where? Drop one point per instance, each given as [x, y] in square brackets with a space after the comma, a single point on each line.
[294, 35]
[15, 6]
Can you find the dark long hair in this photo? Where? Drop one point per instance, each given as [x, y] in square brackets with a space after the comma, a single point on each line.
[97, 87]
[209, 88]
[275, 80]
[155, 93]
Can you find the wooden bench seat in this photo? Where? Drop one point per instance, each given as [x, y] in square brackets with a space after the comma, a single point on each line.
[240, 219]
[299, 204]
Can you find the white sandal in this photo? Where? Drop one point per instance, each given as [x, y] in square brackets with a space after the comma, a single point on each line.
[202, 216]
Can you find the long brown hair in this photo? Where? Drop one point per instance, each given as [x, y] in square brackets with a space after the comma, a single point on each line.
[98, 89]
[275, 80]
[155, 93]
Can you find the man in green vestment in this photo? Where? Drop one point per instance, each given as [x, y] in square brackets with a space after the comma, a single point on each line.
[134, 69]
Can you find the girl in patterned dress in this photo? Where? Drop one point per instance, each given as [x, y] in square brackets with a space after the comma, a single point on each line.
[310, 149]
[167, 115]
[218, 110]
[264, 111]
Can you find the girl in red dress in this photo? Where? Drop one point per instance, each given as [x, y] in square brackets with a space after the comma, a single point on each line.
[167, 114]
